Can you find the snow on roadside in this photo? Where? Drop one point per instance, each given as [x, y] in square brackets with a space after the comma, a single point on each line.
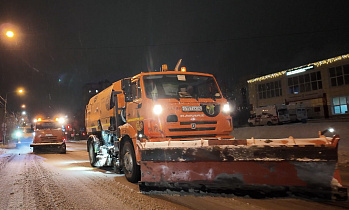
[302, 130]
[297, 130]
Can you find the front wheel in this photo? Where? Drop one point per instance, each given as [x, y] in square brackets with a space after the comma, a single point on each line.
[129, 164]
[91, 154]
[63, 149]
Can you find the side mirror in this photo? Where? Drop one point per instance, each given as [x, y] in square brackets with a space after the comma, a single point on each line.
[126, 87]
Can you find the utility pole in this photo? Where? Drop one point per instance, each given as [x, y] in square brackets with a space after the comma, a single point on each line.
[4, 123]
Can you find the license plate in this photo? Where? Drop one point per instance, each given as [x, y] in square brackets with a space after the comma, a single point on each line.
[192, 108]
[49, 134]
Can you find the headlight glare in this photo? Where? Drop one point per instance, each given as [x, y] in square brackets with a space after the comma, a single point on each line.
[226, 108]
[157, 109]
[18, 134]
[61, 120]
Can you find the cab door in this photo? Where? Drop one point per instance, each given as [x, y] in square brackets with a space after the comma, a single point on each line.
[133, 114]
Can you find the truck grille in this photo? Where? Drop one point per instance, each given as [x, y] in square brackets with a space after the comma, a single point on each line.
[210, 126]
[48, 138]
[198, 122]
[196, 129]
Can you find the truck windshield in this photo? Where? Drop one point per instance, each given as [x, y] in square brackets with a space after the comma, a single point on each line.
[47, 125]
[180, 86]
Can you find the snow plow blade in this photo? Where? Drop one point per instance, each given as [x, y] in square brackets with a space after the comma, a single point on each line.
[255, 167]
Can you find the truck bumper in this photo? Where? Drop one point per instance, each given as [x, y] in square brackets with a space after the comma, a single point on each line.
[47, 144]
[49, 147]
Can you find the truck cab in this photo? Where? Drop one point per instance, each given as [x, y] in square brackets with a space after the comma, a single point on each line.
[48, 136]
[174, 105]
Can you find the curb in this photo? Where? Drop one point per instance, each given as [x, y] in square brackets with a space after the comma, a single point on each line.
[7, 146]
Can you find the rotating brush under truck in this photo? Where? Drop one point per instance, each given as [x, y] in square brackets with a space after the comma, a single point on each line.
[170, 131]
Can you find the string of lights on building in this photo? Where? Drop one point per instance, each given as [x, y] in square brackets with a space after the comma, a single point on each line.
[317, 64]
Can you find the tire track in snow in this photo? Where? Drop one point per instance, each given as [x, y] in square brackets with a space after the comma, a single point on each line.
[12, 171]
[5, 158]
[47, 194]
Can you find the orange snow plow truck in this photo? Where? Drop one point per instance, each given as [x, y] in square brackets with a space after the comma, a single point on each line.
[170, 131]
[48, 136]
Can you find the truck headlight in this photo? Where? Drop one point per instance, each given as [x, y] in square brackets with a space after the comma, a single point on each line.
[226, 109]
[157, 109]
[61, 120]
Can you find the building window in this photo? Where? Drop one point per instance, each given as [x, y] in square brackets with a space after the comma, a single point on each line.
[304, 83]
[269, 90]
[339, 75]
[340, 105]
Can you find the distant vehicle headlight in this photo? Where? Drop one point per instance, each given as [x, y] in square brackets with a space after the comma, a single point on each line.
[18, 134]
[157, 109]
[226, 108]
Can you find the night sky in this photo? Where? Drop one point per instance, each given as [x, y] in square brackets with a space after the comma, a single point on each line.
[61, 45]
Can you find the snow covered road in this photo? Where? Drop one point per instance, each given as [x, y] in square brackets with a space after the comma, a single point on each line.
[67, 181]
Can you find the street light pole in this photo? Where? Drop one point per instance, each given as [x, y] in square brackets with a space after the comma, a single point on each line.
[4, 123]
[4, 127]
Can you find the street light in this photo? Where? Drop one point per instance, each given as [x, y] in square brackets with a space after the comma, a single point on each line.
[4, 124]
[9, 34]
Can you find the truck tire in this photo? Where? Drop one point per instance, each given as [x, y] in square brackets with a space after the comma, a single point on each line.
[129, 164]
[91, 154]
[63, 149]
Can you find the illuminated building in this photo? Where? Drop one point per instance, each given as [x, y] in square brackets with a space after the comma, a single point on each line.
[322, 87]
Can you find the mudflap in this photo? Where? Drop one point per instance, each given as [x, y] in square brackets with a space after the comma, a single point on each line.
[239, 169]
